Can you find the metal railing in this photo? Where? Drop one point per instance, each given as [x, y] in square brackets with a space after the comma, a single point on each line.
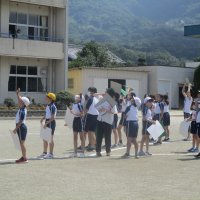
[31, 37]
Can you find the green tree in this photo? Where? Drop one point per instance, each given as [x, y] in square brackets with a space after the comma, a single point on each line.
[92, 55]
[197, 78]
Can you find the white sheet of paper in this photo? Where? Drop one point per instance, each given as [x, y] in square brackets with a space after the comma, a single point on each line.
[116, 86]
[107, 99]
[45, 134]
[15, 140]
[69, 118]
[183, 129]
[156, 130]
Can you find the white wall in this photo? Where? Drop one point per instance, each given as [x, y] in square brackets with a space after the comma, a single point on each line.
[5, 63]
[176, 76]
[133, 77]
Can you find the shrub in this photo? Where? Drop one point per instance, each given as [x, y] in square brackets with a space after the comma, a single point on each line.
[9, 102]
[64, 99]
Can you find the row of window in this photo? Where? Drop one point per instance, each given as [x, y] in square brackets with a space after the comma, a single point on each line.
[27, 79]
[32, 27]
[28, 19]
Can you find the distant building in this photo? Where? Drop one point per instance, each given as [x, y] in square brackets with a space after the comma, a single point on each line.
[33, 39]
[82, 78]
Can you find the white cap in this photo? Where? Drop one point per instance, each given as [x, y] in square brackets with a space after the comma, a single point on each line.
[26, 101]
[137, 101]
[77, 96]
[147, 99]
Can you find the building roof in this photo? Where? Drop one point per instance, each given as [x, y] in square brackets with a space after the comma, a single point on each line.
[73, 51]
[130, 69]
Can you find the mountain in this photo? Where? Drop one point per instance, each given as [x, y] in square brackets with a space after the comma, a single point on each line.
[137, 28]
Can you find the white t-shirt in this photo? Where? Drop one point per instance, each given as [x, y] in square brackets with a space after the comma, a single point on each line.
[21, 115]
[91, 106]
[187, 105]
[148, 116]
[131, 113]
[166, 108]
[124, 105]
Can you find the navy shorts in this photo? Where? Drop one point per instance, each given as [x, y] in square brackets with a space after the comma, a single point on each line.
[52, 126]
[193, 127]
[78, 124]
[22, 132]
[114, 125]
[90, 123]
[145, 126]
[122, 121]
[132, 129]
[198, 129]
[166, 119]
[156, 117]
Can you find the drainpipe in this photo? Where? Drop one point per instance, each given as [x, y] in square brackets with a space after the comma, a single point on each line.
[66, 46]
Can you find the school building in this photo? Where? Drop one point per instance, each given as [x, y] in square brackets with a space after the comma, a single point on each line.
[144, 80]
[33, 39]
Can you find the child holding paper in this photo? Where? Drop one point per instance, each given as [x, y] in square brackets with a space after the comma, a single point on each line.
[146, 123]
[77, 111]
[131, 114]
[50, 122]
[21, 128]
[104, 125]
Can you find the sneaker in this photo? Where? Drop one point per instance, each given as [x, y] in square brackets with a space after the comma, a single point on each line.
[21, 160]
[166, 140]
[126, 155]
[114, 146]
[136, 156]
[148, 154]
[98, 154]
[90, 148]
[196, 150]
[73, 155]
[81, 155]
[191, 149]
[151, 140]
[107, 154]
[48, 156]
[42, 156]
[120, 144]
[157, 143]
[141, 153]
[197, 156]
[79, 148]
[186, 139]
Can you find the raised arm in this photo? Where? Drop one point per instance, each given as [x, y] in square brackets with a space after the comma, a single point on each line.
[18, 96]
[183, 90]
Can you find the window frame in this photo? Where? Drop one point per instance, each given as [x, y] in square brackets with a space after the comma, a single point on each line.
[27, 26]
[27, 76]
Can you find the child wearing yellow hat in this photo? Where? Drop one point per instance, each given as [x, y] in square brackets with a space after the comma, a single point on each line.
[50, 122]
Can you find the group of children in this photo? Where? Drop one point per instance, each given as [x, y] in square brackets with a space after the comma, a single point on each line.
[97, 124]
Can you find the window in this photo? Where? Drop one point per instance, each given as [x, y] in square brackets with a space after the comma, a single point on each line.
[70, 83]
[27, 79]
[33, 27]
